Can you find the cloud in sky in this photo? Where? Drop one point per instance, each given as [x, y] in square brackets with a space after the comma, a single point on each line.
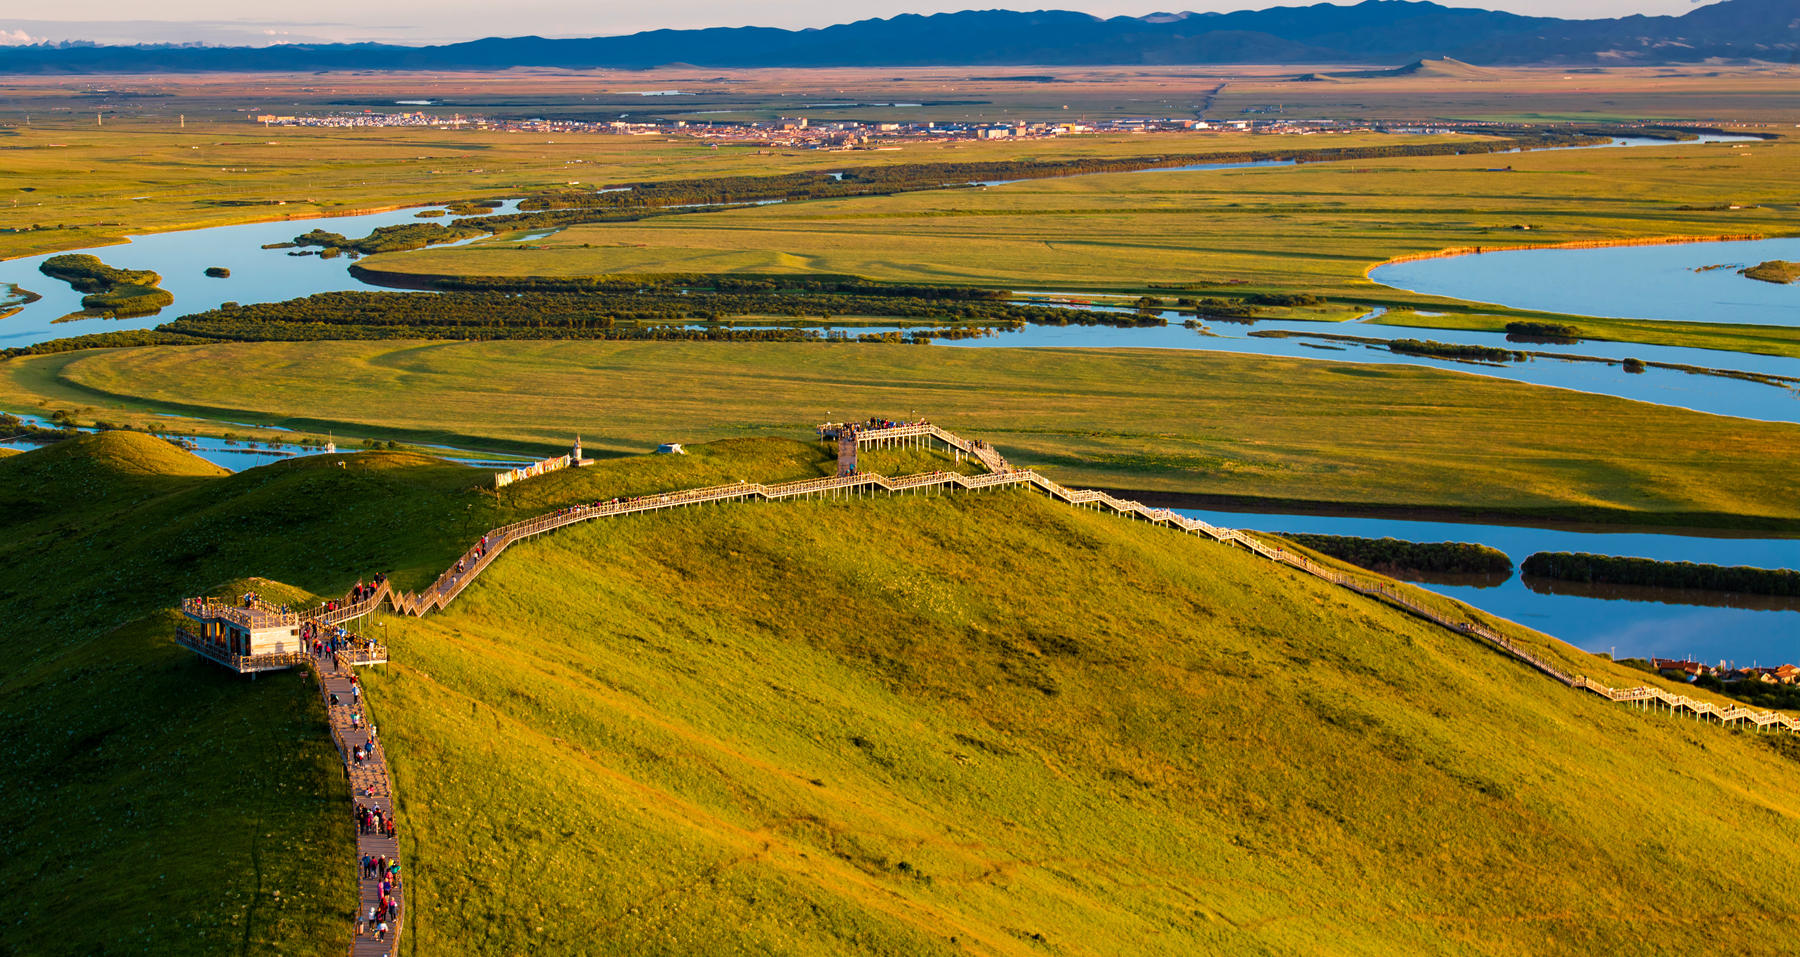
[11, 38]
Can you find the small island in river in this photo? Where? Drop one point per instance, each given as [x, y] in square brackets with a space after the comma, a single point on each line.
[1775, 270]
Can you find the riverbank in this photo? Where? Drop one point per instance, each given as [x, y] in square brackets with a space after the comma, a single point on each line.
[1458, 251]
[1781, 341]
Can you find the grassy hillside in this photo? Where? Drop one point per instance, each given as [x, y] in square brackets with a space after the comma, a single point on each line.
[979, 723]
[990, 724]
[1237, 427]
[153, 803]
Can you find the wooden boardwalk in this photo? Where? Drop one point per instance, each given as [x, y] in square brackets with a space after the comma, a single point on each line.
[371, 785]
[1002, 474]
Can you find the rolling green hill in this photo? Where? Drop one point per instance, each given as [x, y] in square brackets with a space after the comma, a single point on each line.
[982, 723]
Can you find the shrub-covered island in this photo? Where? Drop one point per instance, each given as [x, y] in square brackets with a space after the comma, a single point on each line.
[1775, 270]
[117, 293]
[1616, 570]
[1382, 554]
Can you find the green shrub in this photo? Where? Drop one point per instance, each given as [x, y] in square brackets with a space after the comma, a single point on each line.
[1393, 553]
[1616, 570]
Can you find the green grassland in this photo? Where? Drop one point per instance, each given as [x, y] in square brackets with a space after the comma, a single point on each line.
[65, 187]
[153, 803]
[1314, 228]
[1249, 429]
[991, 724]
[982, 723]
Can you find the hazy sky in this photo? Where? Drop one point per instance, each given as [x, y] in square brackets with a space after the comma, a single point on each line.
[428, 21]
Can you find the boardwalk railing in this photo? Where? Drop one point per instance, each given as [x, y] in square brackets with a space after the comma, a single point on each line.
[240, 663]
[1678, 703]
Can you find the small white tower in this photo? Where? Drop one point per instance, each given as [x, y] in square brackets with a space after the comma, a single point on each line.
[575, 456]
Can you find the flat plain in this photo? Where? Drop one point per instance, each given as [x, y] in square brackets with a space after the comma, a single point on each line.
[67, 185]
[1315, 229]
[1242, 427]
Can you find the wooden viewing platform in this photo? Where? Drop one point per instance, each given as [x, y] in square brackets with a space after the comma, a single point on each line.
[371, 783]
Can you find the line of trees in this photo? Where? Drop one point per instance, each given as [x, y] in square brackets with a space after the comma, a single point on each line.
[609, 308]
[703, 283]
[1381, 554]
[1549, 331]
[1616, 570]
[388, 239]
[120, 339]
[571, 310]
[1453, 350]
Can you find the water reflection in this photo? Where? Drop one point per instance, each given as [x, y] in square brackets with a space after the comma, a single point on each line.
[1666, 596]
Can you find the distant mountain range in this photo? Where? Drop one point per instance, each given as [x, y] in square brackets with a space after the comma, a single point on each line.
[1375, 31]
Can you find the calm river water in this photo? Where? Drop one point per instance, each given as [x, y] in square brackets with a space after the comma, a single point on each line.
[1675, 282]
[257, 274]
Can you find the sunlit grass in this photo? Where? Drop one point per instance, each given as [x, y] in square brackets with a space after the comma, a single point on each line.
[1260, 429]
[918, 725]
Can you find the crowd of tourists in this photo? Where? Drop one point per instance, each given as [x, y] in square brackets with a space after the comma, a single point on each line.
[381, 919]
[326, 641]
[359, 593]
[386, 872]
[832, 430]
[373, 820]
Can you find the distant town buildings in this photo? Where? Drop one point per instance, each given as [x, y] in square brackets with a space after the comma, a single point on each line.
[806, 132]
[1682, 668]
